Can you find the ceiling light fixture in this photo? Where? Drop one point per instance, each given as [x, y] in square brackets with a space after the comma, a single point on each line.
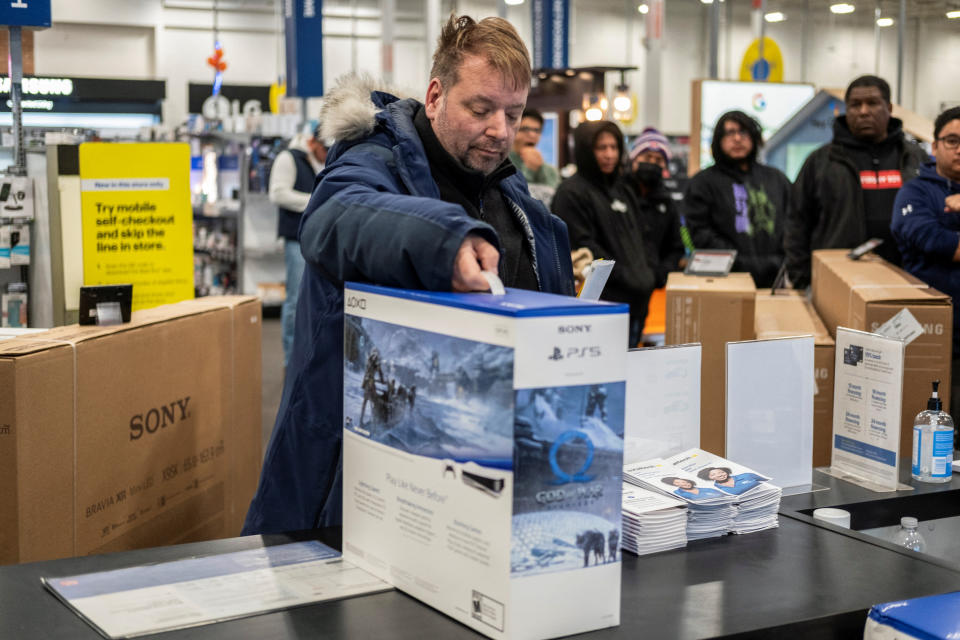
[775, 16]
[644, 9]
[842, 8]
[884, 22]
[513, 2]
[953, 15]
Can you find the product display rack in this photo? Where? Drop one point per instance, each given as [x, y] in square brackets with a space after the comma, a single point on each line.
[236, 249]
[14, 278]
[215, 185]
[263, 270]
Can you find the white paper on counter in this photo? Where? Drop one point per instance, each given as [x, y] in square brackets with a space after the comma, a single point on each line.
[146, 599]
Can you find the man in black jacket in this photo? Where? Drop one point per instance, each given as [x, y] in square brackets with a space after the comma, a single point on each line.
[844, 194]
[601, 215]
[659, 218]
[739, 203]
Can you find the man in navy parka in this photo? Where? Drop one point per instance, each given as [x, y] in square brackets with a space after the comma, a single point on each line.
[417, 196]
[926, 224]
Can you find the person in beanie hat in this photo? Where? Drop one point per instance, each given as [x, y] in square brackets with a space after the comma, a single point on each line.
[739, 203]
[650, 141]
[659, 218]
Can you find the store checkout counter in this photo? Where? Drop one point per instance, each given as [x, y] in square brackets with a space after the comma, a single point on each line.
[805, 579]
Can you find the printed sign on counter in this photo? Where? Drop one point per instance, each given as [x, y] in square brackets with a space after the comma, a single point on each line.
[868, 386]
[137, 219]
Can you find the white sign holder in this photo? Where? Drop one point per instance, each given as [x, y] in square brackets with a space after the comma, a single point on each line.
[662, 415]
[769, 421]
[868, 390]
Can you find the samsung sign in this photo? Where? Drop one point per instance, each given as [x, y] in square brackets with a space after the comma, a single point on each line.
[41, 86]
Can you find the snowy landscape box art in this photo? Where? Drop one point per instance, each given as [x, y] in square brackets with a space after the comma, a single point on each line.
[483, 453]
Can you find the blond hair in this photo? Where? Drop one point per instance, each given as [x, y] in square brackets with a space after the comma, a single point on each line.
[494, 39]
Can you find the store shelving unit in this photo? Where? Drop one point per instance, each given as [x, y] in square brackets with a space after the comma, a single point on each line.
[216, 179]
[236, 248]
[263, 270]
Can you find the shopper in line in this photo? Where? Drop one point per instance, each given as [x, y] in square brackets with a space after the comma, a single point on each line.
[543, 178]
[926, 225]
[414, 195]
[738, 203]
[659, 218]
[601, 215]
[845, 191]
[291, 183]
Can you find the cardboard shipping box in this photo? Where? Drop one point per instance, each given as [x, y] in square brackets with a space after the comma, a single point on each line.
[137, 435]
[790, 313]
[713, 312]
[863, 294]
[483, 454]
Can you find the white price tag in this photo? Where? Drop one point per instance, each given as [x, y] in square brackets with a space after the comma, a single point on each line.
[596, 273]
[496, 285]
[903, 326]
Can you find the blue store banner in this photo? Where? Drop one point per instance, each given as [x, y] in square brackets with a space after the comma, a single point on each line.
[303, 26]
[25, 13]
[551, 34]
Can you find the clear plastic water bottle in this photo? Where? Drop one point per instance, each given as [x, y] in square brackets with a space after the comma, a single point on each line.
[933, 442]
[908, 536]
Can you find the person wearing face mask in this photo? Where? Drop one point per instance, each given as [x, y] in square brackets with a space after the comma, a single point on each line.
[739, 203]
[845, 191]
[649, 156]
[601, 215]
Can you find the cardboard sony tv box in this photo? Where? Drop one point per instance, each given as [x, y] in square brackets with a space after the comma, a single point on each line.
[138, 435]
[864, 294]
[789, 313]
[483, 454]
[711, 311]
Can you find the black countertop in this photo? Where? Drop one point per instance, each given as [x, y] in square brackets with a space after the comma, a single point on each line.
[800, 580]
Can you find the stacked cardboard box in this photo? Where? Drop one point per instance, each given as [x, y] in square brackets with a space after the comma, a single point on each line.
[864, 294]
[713, 312]
[790, 313]
[138, 435]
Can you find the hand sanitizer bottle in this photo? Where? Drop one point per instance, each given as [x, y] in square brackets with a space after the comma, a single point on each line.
[933, 442]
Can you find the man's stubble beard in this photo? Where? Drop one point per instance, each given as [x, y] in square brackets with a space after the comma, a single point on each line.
[443, 130]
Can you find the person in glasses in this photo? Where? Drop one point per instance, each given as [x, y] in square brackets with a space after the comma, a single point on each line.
[926, 224]
[739, 203]
[844, 193]
[542, 178]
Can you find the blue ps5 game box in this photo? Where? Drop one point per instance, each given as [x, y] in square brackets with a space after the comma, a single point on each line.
[483, 454]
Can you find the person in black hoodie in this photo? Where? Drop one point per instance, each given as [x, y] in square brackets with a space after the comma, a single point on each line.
[845, 192]
[659, 218]
[601, 215]
[739, 203]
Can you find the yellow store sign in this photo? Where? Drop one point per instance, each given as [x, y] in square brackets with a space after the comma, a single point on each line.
[137, 219]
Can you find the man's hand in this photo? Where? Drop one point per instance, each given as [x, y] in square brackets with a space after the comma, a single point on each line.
[531, 158]
[952, 203]
[475, 255]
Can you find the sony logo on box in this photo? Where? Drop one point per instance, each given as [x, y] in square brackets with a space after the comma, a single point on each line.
[158, 418]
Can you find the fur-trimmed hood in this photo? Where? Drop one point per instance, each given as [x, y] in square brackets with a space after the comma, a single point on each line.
[348, 113]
